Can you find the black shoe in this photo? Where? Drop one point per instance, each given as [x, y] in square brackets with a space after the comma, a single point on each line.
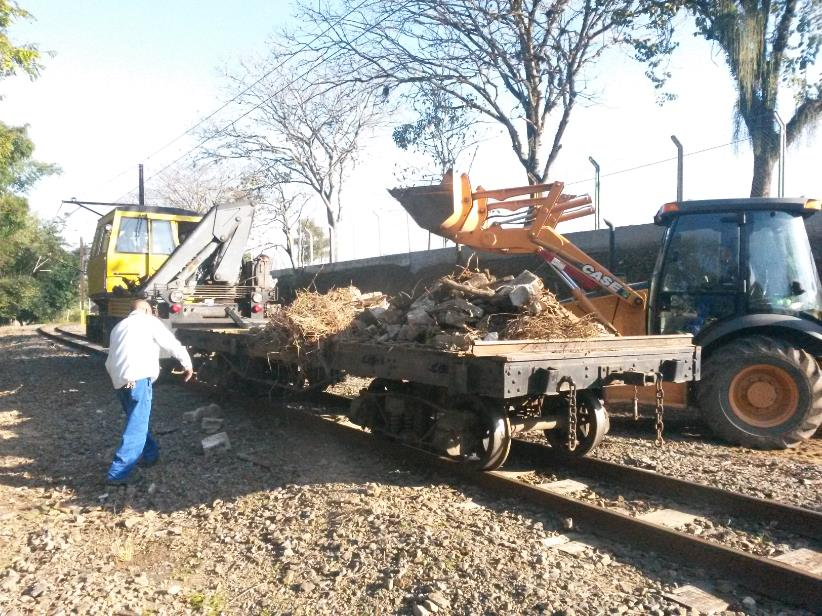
[130, 479]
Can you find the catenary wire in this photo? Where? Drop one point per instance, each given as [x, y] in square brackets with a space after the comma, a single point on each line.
[235, 97]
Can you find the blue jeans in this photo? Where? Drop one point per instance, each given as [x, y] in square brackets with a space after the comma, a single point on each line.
[137, 443]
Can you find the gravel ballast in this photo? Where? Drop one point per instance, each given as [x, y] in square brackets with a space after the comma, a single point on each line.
[287, 521]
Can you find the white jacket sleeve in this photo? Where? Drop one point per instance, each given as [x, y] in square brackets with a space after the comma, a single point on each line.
[170, 344]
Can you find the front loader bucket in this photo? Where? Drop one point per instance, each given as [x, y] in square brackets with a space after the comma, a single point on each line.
[429, 206]
[436, 208]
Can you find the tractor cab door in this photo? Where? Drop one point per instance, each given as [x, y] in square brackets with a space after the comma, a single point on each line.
[697, 277]
[782, 276]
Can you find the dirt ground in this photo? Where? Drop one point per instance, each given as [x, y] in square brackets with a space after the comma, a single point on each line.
[287, 522]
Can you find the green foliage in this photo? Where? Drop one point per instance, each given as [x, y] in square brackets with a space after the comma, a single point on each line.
[442, 129]
[769, 45]
[38, 277]
[14, 58]
[213, 605]
[313, 242]
[18, 171]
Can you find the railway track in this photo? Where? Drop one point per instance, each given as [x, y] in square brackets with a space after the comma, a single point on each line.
[794, 578]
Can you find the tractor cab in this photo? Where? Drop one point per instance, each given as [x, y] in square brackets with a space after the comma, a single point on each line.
[725, 259]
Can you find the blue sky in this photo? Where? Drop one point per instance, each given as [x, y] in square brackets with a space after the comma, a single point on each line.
[128, 77]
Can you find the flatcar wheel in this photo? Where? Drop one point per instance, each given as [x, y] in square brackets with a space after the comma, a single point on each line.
[485, 435]
[592, 426]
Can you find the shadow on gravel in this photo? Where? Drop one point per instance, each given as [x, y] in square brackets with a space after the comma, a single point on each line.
[60, 423]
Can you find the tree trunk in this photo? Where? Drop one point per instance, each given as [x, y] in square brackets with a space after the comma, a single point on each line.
[764, 161]
[332, 230]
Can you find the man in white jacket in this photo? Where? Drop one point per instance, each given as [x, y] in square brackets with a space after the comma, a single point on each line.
[134, 364]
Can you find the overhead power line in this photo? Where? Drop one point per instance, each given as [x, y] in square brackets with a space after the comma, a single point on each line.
[656, 162]
[233, 100]
[265, 100]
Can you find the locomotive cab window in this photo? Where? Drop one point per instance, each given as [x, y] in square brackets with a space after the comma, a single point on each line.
[162, 237]
[133, 235]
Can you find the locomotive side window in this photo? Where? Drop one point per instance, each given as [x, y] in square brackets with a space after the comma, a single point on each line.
[162, 237]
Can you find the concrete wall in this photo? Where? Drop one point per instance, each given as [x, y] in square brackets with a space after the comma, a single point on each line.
[636, 250]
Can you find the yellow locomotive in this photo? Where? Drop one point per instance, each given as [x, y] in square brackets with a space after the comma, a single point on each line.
[189, 266]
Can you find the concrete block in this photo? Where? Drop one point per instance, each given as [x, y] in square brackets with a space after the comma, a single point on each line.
[423, 303]
[216, 443]
[212, 410]
[194, 416]
[527, 278]
[418, 316]
[210, 425]
[564, 486]
[803, 558]
[525, 294]
[452, 318]
[668, 517]
[697, 599]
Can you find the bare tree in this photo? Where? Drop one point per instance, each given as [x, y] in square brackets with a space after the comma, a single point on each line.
[296, 130]
[521, 63]
[196, 189]
[279, 212]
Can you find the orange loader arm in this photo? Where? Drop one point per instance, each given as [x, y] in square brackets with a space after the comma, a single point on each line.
[518, 220]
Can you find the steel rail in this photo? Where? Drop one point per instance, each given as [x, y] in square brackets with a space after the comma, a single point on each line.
[765, 576]
[805, 522]
[71, 340]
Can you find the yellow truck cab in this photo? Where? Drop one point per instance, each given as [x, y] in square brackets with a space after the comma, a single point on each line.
[130, 244]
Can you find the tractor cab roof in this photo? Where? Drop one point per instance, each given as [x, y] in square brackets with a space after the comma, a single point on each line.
[800, 206]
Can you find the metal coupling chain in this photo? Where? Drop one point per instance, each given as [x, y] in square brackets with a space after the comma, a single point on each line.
[572, 415]
[636, 403]
[660, 409]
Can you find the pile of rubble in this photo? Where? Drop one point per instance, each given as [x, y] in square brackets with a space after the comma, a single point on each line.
[453, 313]
[460, 309]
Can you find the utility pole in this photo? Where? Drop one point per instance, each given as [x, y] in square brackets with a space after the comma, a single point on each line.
[680, 167]
[379, 232]
[82, 283]
[783, 146]
[141, 188]
[596, 191]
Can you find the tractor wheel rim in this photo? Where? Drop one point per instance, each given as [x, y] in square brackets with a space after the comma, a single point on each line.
[763, 395]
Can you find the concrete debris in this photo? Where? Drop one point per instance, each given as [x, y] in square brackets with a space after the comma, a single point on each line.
[210, 425]
[194, 416]
[216, 443]
[212, 410]
[469, 306]
[419, 610]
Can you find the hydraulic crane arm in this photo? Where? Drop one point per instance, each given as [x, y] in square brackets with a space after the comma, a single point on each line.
[217, 242]
[516, 220]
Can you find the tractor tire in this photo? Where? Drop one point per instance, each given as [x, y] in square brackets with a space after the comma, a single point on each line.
[761, 392]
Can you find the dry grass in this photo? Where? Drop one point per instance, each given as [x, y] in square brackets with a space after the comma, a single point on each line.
[311, 318]
[552, 323]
